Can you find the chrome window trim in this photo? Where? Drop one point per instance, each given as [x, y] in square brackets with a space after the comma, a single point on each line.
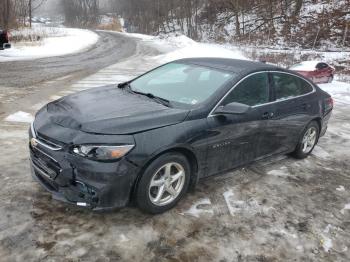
[211, 114]
[57, 148]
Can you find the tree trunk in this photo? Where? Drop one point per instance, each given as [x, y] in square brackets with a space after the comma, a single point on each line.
[345, 32]
[297, 9]
[30, 13]
[238, 25]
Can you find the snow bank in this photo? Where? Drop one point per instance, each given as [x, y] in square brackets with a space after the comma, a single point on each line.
[176, 47]
[66, 41]
[340, 91]
[200, 50]
[21, 117]
[187, 48]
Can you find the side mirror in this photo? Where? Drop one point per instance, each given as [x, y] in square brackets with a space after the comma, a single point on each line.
[232, 109]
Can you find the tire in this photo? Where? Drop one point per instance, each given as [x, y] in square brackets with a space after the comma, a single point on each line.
[330, 79]
[302, 151]
[157, 178]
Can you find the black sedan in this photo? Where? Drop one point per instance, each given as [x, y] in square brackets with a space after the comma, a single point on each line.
[149, 140]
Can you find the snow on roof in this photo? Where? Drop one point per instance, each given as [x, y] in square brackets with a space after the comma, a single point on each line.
[305, 66]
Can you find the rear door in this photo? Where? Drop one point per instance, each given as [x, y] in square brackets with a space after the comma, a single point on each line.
[295, 102]
[237, 139]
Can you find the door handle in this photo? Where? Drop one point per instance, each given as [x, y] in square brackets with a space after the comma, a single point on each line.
[305, 106]
[266, 115]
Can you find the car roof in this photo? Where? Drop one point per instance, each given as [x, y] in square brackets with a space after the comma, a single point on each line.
[232, 65]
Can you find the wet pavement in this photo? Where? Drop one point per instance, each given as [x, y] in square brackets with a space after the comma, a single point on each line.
[109, 49]
[279, 209]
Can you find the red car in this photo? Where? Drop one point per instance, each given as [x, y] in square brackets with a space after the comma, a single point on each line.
[318, 72]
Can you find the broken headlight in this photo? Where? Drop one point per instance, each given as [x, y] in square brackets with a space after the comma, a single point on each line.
[102, 152]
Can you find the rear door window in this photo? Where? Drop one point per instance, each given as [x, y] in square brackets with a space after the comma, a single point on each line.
[320, 66]
[288, 86]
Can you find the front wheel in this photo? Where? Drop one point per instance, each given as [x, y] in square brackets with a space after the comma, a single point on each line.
[164, 183]
[307, 141]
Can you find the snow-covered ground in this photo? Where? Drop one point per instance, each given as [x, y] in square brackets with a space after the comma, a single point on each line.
[60, 41]
[340, 91]
[180, 46]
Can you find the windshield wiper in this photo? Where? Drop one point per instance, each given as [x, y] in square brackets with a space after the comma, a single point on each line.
[124, 85]
[158, 99]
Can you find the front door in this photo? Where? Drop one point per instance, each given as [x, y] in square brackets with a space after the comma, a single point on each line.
[237, 139]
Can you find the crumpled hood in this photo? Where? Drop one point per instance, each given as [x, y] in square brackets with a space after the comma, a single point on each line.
[109, 110]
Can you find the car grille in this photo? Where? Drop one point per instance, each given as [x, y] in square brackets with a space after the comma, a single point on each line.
[44, 163]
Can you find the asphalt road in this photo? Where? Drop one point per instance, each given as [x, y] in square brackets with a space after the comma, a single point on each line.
[110, 49]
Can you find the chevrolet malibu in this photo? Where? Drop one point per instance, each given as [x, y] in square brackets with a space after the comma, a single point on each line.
[149, 140]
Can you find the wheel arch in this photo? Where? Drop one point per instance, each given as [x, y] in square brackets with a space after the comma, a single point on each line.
[187, 152]
[318, 120]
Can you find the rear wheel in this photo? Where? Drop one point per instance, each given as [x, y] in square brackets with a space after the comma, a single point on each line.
[164, 183]
[307, 141]
[330, 79]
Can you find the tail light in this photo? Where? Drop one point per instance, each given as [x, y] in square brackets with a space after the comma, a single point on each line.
[329, 103]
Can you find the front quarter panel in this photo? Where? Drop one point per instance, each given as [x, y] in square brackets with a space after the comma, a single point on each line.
[190, 135]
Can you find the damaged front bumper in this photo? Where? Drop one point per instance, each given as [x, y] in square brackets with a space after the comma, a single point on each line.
[79, 181]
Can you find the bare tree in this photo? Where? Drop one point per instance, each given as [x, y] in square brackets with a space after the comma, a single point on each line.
[6, 17]
[81, 13]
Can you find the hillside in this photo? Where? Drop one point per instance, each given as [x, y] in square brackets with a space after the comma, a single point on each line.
[321, 24]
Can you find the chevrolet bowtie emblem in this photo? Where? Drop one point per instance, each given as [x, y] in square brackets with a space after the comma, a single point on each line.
[33, 142]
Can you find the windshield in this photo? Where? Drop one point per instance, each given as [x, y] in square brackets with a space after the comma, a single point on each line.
[182, 83]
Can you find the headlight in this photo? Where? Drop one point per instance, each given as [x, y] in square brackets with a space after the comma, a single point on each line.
[101, 152]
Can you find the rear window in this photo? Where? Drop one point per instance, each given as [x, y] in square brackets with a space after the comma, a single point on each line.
[289, 86]
[321, 66]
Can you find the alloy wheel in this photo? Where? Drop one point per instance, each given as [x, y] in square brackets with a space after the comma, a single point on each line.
[166, 184]
[309, 140]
